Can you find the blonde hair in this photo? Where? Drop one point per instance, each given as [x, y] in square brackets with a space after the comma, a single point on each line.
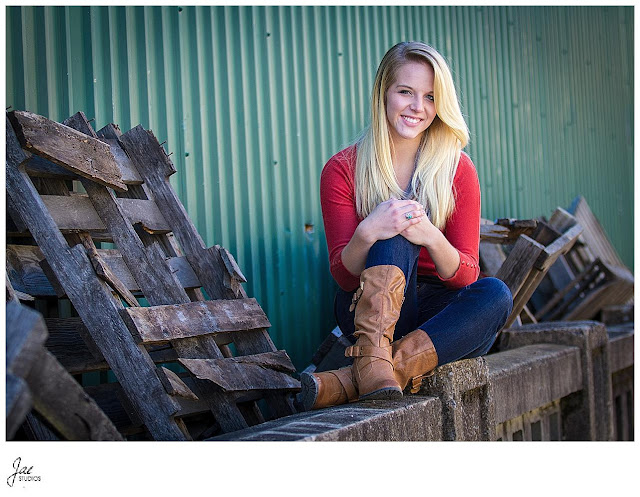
[440, 147]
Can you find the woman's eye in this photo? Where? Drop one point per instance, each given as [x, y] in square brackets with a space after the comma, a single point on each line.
[405, 92]
[430, 97]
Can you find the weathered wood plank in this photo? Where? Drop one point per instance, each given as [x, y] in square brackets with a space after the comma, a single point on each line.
[594, 235]
[72, 351]
[84, 155]
[162, 323]
[491, 258]
[38, 167]
[558, 247]
[506, 231]
[26, 335]
[103, 271]
[76, 213]
[518, 265]
[174, 385]
[278, 361]
[18, 403]
[92, 300]
[62, 401]
[233, 376]
[109, 134]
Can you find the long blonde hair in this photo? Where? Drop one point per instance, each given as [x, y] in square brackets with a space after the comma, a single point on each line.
[440, 147]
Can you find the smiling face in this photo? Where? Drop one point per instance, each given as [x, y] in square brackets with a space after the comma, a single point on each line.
[410, 105]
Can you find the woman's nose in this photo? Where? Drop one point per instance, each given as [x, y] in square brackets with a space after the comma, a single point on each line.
[417, 104]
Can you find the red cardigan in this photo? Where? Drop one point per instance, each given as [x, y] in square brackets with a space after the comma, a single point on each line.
[338, 200]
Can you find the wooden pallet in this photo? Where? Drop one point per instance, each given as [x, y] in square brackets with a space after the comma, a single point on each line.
[199, 316]
[589, 278]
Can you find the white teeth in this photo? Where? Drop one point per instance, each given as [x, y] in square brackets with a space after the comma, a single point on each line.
[412, 120]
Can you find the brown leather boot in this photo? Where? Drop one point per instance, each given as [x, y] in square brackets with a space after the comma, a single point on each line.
[329, 388]
[414, 358]
[376, 313]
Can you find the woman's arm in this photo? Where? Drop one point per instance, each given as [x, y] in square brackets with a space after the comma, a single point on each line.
[348, 239]
[454, 252]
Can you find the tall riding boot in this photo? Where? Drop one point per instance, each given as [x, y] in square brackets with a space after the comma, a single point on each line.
[414, 358]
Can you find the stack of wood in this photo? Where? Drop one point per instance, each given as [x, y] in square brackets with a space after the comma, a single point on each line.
[197, 359]
[590, 281]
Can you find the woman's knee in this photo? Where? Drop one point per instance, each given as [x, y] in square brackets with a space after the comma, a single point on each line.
[397, 251]
[497, 292]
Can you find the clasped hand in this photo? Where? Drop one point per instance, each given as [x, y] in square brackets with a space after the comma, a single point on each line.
[389, 219]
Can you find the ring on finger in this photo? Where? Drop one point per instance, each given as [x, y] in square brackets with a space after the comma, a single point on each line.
[408, 216]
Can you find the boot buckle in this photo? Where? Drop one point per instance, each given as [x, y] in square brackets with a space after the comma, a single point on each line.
[356, 297]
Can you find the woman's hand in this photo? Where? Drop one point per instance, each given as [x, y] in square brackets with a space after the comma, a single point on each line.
[444, 256]
[387, 220]
[421, 232]
[391, 218]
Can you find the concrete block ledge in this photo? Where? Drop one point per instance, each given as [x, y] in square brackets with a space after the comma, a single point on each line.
[412, 418]
[621, 351]
[525, 378]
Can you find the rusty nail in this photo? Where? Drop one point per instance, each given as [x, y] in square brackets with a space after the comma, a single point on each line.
[92, 119]
[163, 143]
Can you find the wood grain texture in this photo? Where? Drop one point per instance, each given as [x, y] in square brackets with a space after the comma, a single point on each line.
[76, 213]
[62, 401]
[233, 376]
[519, 263]
[159, 324]
[82, 154]
[109, 134]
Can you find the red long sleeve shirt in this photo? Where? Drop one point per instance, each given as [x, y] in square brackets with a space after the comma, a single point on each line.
[462, 230]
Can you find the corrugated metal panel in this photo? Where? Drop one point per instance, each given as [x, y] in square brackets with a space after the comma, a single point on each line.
[253, 100]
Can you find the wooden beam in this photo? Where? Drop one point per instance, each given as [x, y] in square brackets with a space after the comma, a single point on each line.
[62, 401]
[109, 134]
[82, 154]
[162, 323]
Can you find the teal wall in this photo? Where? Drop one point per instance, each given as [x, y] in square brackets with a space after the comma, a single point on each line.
[252, 101]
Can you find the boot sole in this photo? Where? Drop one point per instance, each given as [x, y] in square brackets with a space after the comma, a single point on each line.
[383, 394]
[309, 390]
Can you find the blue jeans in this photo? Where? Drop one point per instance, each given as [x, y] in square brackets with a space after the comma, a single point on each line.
[462, 323]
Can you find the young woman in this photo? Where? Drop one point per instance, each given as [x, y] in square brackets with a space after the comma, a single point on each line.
[401, 210]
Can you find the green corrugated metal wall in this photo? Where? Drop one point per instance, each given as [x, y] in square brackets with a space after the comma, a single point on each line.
[253, 100]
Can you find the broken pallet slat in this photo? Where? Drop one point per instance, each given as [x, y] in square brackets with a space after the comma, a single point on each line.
[162, 323]
[174, 385]
[233, 376]
[84, 155]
